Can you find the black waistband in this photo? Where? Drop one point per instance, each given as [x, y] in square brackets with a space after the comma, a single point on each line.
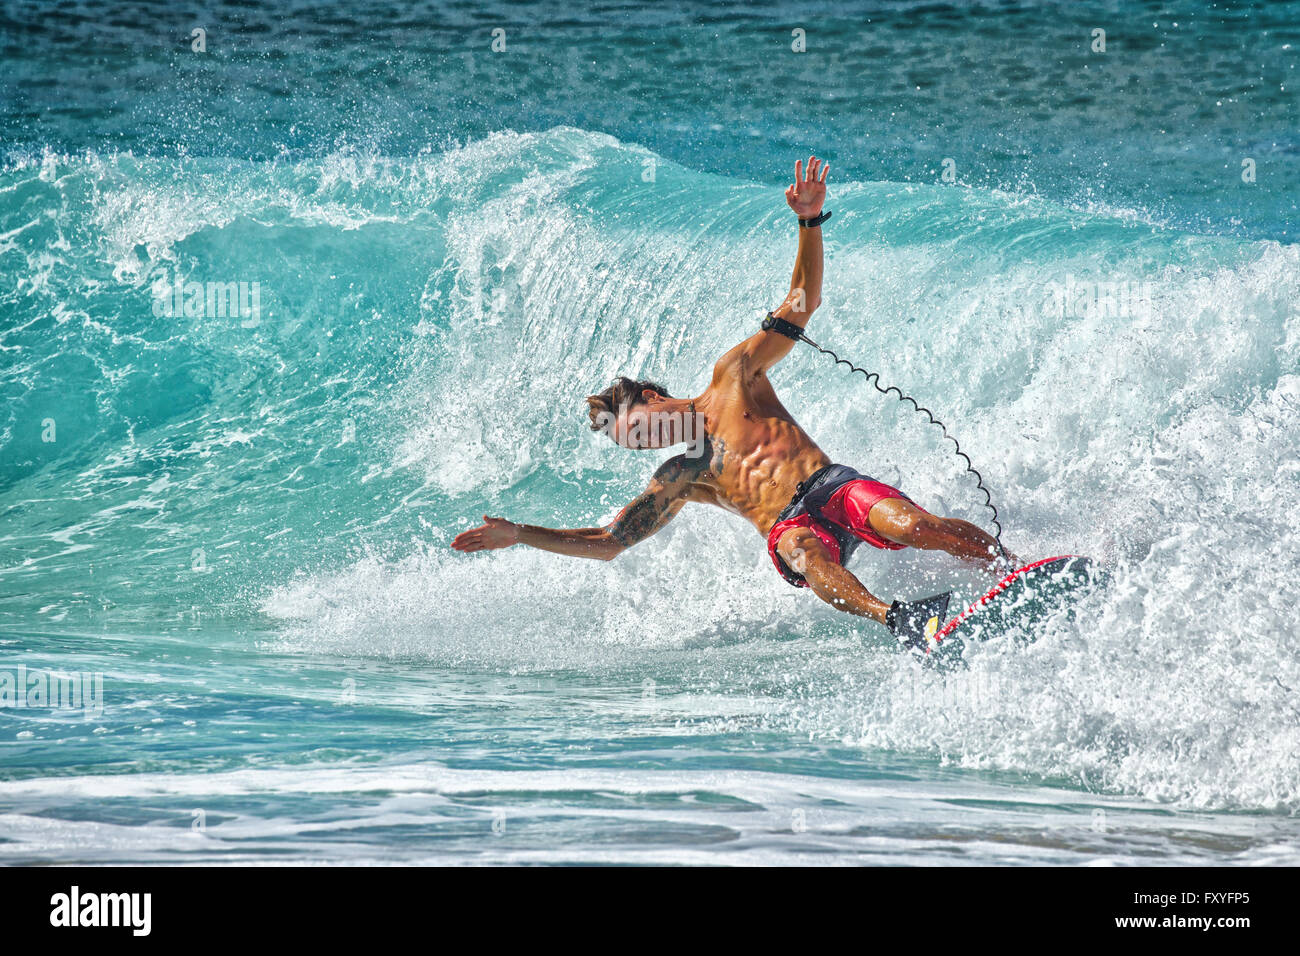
[812, 494]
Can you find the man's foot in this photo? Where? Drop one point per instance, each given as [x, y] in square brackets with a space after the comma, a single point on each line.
[915, 622]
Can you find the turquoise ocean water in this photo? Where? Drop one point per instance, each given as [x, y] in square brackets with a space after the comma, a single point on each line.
[236, 525]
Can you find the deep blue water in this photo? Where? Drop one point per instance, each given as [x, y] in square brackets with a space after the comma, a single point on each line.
[239, 522]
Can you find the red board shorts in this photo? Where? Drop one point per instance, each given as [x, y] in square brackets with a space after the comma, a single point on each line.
[847, 511]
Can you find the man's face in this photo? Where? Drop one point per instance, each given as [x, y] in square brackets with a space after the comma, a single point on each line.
[653, 422]
[644, 425]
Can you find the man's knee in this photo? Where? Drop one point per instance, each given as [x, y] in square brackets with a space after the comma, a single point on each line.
[903, 523]
[797, 545]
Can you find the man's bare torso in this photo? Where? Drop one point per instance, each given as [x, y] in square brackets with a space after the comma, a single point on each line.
[757, 454]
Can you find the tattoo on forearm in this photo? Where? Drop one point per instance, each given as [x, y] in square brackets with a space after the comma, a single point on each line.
[642, 518]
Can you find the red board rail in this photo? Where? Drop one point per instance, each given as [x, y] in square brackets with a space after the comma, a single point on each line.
[993, 592]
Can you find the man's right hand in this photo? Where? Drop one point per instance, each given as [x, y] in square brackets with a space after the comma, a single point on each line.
[494, 533]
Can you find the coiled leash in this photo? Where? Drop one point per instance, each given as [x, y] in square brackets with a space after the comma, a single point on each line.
[792, 331]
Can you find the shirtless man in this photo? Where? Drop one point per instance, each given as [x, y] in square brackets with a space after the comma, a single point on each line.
[745, 453]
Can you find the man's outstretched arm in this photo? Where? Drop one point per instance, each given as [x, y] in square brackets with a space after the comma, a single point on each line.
[806, 196]
[668, 490]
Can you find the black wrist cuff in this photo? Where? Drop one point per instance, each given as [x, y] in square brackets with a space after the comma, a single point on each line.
[816, 220]
[782, 327]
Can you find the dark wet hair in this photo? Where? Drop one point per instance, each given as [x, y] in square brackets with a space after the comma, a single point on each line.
[623, 393]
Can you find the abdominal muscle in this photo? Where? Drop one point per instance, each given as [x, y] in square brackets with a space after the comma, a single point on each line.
[765, 452]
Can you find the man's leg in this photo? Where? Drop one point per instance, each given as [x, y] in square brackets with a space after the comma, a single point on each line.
[827, 578]
[903, 523]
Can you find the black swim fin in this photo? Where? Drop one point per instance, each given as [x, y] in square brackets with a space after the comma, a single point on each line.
[915, 622]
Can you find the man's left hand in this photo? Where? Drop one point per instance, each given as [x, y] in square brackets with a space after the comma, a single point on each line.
[807, 194]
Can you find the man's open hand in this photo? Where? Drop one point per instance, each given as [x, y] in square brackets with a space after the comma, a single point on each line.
[492, 534]
[808, 191]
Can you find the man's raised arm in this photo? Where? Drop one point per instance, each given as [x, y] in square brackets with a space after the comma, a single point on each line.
[806, 196]
[668, 490]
